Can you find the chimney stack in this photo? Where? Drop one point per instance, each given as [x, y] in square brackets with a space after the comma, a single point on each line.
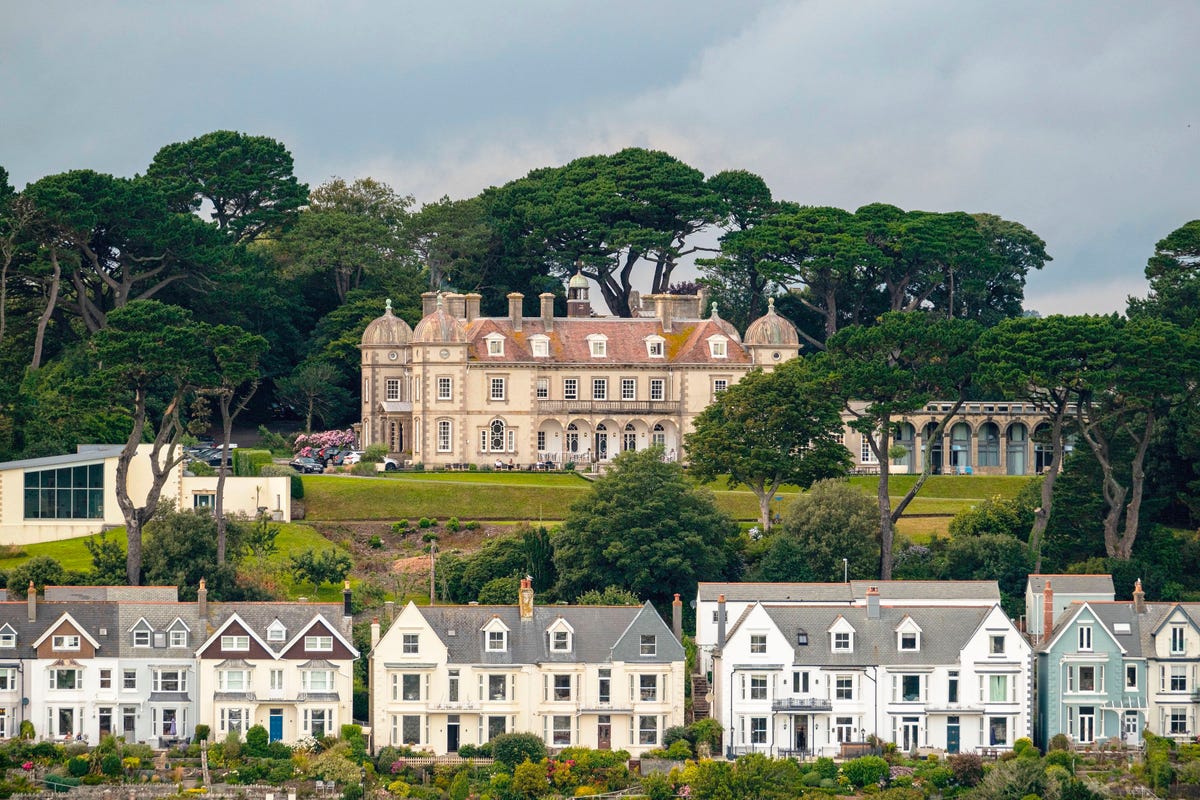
[514, 309]
[428, 303]
[374, 632]
[389, 611]
[31, 601]
[677, 617]
[473, 301]
[1139, 598]
[456, 304]
[202, 600]
[547, 299]
[664, 308]
[873, 603]
[1047, 611]
[346, 600]
[720, 623]
[525, 598]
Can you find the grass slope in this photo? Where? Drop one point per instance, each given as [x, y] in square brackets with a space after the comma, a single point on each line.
[515, 495]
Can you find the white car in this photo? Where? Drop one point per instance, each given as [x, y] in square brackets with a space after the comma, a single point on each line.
[353, 457]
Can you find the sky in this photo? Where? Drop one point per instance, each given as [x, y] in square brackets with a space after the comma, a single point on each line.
[1080, 120]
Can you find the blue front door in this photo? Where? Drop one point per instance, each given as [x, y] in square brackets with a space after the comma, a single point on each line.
[276, 723]
[952, 734]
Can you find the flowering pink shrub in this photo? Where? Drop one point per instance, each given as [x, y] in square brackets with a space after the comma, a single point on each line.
[308, 443]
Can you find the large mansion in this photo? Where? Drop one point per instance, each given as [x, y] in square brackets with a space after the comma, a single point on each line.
[465, 389]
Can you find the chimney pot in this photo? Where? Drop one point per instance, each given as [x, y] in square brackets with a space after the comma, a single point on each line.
[202, 599]
[31, 601]
[515, 300]
[1047, 611]
[374, 632]
[1139, 597]
[525, 598]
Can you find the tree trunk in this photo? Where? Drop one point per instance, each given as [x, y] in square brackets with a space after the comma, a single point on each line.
[133, 523]
[1041, 516]
[222, 471]
[51, 301]
[927, 460]
[1136, 487]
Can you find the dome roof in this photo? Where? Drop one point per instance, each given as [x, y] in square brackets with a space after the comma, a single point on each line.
[577, 281]
[388, 329]
[440, 326]
[772, 329]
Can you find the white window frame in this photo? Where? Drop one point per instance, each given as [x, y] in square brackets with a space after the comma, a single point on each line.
[658, 389]
[656, 347]
[179, 637]
[560, 641]
[718, 347]
[543, 389]
[495, 345]
[629, 388]
[445, 387]
[599, 388]
[496, 641]
[570, 388]
[70, 641]
[235, 643]
[1085, 638]
[648, 645]
[445, 435]
[598, 345]
[318, 644]
[391, 389]
[410, 644]
[497, 389]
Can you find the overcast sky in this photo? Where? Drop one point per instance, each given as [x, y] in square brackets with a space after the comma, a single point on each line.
[1080, 120]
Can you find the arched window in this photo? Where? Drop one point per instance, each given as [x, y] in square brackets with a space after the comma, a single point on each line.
[659, 435]
[572, 438]
[445, 430]
[960, 446]
[989, 444]
[496, 436]
[1018, 436]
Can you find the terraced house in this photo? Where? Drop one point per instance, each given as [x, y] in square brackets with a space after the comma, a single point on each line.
[801, 678]
[593, 676]
[1108, 670]
[83, 662]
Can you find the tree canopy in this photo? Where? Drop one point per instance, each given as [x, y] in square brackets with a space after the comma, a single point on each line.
[644, 527]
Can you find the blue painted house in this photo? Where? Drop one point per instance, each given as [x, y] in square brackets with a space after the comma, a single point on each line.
[1091, 673]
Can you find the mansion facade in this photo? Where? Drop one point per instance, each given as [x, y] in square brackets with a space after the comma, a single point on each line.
[462, 389]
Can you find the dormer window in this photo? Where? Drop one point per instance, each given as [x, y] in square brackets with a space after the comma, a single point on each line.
[560, 641]
[276, 632]
[179, 638]
[909, 642]
[908, 636]
[540, 346]
[1177, 640]
[656, 347]
[598, 345]
[141, 638]
[497, 641]
[802, 638]
[69, 642]
[718, 347]
[842, 641]
[8, 636]
[495, 344]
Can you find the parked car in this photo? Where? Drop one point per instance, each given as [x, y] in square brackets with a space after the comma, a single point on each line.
[390, 464]
[306, 465]
[353, 457]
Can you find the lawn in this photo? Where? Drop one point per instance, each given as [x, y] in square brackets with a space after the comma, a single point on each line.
[517, 495]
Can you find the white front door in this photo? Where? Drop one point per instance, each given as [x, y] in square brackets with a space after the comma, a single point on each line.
[1087, 724]
[1130, 728]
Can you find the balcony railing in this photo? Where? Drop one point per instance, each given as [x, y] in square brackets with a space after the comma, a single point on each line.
[801, 704]
[664, 407]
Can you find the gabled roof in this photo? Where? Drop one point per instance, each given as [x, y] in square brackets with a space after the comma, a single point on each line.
[319, 620]
[985, 593]
[66, 617]
[1069, 617]
[231, 620]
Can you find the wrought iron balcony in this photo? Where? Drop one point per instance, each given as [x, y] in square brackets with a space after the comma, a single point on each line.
[660, 407]
[801, 704]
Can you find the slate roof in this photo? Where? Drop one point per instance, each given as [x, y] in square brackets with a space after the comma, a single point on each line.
[294, 616]
[686, 342]
[601, 634]
[1074, 584]
[894, 591]
[93, 617]
[945, 630]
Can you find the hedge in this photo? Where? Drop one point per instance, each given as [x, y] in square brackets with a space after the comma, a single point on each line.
[247, 463]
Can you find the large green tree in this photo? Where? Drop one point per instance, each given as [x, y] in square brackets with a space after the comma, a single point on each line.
[892, 369]
[1174, 275]
[1143, 369]
[152, 358]
[348, 232]
[645, 527]
[768, 429]
[245, 182]
[830, 522]
[1044, 361]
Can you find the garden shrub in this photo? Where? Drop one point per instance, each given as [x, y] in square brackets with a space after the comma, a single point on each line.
[453, 525]
[460, 787]
[812, 778]
[865, 770]
[967, 769]
[1060, 741]
[679, 750]
[201, 734]
[201, 470]
[674, 733]
[376, 542]
[1189, 772]
[374, 453]
[297, 487]
[425, 522]
[248, 463]
[472, 525]
[26, 730]
[1061, 758]
[826, 768]
[529, 779]
[364, 470]
[61, 783]
[257, 741]
[511, 749]
[78, 766]
[827, 783]
[657, 786]
[1023, 746]
[110, 765]
[1077, 790]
